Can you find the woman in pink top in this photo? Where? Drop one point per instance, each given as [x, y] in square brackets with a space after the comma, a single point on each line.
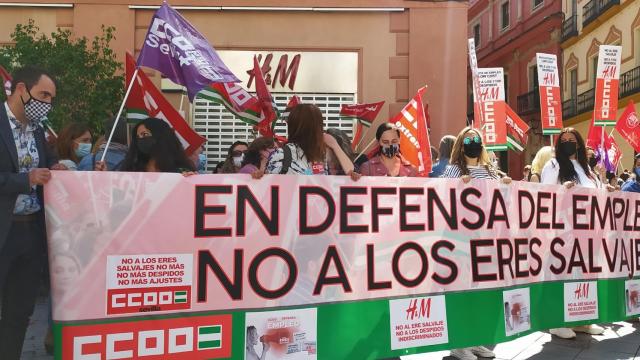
[389, 160]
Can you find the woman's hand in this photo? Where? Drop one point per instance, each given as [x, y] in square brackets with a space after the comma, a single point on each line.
[258, 174]
[189, 173]
[506, 180]
[569, 184]
[100, 166]
[354, 175]
[611, 188]
[59, 166]
[466, 178]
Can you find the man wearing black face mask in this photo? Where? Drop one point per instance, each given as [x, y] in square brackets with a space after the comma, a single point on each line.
[24, 167]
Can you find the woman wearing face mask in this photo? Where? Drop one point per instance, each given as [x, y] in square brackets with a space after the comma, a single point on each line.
[469, 160]
[389, 160]
[73, 143]
[570, 168]
[199, 159]
[233, 162]
[155, 148]
[256, 158]
[633, 184]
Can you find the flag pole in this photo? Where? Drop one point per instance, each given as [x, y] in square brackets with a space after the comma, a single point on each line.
[365, 148]
[115, 123]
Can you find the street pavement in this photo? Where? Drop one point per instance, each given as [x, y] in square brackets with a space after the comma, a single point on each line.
[621, 341]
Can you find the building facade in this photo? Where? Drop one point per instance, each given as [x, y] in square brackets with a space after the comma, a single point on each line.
[508, 34]
[587, 25]
[329, 52]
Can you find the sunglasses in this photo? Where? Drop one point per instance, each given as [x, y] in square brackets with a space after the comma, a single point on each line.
[475, 139]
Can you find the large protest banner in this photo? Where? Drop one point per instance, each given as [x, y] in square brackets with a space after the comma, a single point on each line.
[158, 266]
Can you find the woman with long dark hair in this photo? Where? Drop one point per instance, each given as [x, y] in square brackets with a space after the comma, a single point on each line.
[156, 148]
[233, 162]
[388, 161]
[308, 145]
[570, 167]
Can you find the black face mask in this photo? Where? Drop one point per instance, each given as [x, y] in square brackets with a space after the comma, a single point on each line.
[593, 162]
[391, 150]
[145, 144]
[569, 148]
[473, 149]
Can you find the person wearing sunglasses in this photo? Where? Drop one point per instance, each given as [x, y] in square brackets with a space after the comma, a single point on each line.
[233, 162]
[470, 160]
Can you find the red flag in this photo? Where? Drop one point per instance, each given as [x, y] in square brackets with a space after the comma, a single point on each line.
[628, 126]
[611, 154]
[516, 130]
[414, 141]
[364, 114]
[267, 104]
[146, 99]
[293, 102]
[6, 80]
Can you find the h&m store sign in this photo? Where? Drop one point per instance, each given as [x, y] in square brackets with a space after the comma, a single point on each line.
[294, 72]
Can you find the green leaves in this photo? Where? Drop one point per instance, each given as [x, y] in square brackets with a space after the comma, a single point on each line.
[89, 90]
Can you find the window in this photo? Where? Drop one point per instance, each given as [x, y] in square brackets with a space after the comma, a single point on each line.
[533, 77]
[537, 3]
[636, 38]
[504, 18]
[476, 34]
[574, 83]
[506, 88]
[594, 70]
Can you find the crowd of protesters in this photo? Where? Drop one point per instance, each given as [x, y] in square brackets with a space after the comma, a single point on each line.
[152, 146]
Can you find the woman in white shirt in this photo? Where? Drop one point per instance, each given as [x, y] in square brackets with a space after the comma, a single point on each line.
[570, 168]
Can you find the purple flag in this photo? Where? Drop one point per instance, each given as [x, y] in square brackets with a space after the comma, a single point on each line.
[176, 49]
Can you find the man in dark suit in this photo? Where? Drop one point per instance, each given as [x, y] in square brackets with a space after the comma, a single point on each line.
[25, 160]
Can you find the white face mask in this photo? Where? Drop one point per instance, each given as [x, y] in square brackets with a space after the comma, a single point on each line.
[237, 160]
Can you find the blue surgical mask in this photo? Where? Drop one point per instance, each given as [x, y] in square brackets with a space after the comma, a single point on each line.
[83, 150]
[202, 163]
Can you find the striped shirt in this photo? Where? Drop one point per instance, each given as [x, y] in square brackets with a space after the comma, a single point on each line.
[476, 172]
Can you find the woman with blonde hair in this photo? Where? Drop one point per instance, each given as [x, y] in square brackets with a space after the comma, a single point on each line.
[542, 157]
[470, 159]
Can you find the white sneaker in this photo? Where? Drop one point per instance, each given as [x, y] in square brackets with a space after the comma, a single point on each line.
[563, 333]
[592, 329]
[463, 354]
[483, 352]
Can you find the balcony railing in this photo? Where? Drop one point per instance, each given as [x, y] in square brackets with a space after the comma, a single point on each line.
[630, 82]
[529, 102]
[569, 108]
[570, 27]
[594, 8]
[586, 101]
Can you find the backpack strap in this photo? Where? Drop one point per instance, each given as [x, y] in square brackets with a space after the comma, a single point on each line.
[286, 161]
